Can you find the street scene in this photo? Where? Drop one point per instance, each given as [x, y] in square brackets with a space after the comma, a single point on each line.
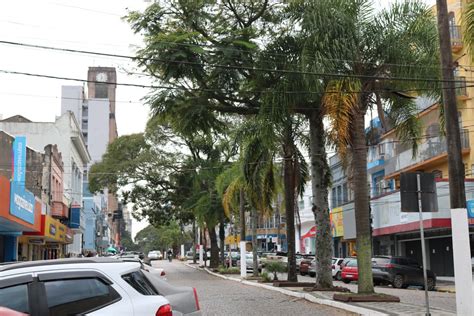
[236, 157]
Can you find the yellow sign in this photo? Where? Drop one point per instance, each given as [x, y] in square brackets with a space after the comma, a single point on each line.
[53, 229]
[337, 224]
[230, 240]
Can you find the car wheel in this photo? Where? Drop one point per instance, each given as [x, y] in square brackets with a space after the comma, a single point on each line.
[431, 284]
[377, 283]
[338, 276]
[302, 273]
[347, 281]
[398, 281]
[312, 275]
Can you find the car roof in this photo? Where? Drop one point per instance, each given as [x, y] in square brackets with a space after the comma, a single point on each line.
[40, 263]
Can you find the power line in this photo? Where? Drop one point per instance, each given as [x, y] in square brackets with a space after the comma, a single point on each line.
[320, 74]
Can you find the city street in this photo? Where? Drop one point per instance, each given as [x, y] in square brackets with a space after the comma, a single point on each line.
[222, 297]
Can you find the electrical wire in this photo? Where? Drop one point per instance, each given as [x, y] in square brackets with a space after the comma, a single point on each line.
[267, 70]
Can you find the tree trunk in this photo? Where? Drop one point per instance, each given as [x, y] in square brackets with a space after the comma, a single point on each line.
[214, 248]
[457, 191]
[289, 182]
[278, 221]
[242, 215]
[320, 180]
[298, 223]
[194, 241]
[361, 204]
[221, 239]
[254, 242]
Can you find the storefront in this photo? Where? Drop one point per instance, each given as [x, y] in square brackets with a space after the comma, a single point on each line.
[19, 212]
[49, 243]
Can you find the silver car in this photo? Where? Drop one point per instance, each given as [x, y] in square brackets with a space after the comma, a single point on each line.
[183, 299]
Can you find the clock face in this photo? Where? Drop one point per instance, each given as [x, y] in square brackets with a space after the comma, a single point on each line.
[101, 76]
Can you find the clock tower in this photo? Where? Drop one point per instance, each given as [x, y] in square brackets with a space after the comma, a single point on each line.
[102, 85]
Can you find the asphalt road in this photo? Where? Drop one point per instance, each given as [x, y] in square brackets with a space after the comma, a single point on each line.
[223, 297]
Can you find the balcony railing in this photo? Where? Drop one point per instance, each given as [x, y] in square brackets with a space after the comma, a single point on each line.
[456, 38]
[431, 148]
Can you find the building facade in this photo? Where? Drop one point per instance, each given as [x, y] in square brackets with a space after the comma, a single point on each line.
[96, 113]
[66, 134]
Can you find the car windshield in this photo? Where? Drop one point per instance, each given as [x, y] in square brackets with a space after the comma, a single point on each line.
[352, 263]
[380, 261]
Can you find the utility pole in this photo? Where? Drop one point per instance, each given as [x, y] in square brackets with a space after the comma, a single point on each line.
[457, 193]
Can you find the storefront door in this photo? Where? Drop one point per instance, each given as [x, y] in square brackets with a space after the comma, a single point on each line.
[441, 256]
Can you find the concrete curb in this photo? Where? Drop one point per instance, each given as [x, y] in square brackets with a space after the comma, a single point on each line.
[306, 296]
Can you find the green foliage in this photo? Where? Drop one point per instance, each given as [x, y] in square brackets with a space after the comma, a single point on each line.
[265, 276]
[127, 242]
[161, 238]
[275, 267]
[231, 270]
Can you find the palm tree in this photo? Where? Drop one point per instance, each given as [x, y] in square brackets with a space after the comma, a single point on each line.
[467, 21]
[363, 53]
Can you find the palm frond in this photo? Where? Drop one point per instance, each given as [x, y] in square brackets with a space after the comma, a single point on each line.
[339, 103]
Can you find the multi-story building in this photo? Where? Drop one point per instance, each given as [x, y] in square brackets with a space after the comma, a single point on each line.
[96, 112]
[31, 202]
[396, 232]
[65, 133]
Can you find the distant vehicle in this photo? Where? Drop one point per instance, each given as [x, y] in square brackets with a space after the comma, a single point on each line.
[336, 268]
[249, 262]
[147, 267]
[155, 255]
[189, 255]
[132, 254]
[304, 265]
[92, 286]
[404, 271]
[232, 259]
[350, 272]
[312, 268]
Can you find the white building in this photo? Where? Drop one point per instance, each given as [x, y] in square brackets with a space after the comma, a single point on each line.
[66, 134]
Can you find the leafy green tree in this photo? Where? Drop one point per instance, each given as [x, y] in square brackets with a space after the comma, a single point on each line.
[356, 46]
[127, 242]
[161, 238]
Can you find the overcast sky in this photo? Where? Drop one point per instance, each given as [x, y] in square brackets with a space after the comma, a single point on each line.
[93, 25]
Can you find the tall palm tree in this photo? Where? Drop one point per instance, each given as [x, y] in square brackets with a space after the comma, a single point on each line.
[363, 52]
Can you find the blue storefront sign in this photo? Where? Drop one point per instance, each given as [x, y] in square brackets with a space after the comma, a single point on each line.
[75, 217]
[22, 203]
[470, 208]
[19, 160]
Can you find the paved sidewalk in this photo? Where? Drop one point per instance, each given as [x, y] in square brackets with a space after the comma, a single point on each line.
[377, 308]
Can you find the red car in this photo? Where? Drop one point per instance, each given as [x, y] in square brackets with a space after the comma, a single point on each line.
[351, 273]
[304, 266]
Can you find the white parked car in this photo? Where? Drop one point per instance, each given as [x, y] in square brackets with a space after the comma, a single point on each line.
[92, 286]
[249, 262]
[336, 268]
[155, 255]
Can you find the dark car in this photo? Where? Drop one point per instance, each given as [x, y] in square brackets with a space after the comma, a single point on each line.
[404, 271]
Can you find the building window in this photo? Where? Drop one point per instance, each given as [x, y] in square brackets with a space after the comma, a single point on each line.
[345, 193]
[438, 174]
[101, 91]
[339, 195]
[333, 198]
